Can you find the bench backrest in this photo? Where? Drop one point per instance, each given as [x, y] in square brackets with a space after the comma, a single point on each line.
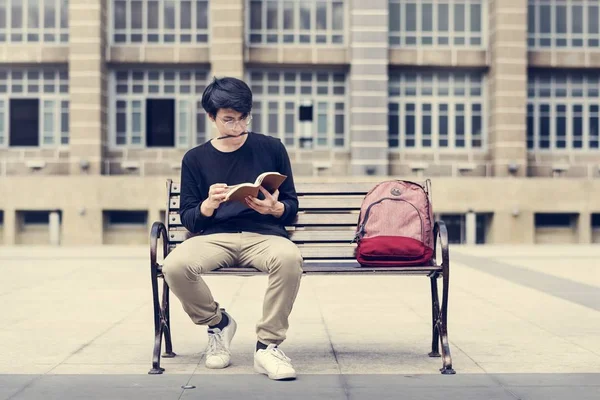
[323, 229]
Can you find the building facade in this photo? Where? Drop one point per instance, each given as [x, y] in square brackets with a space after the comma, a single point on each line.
[497, 101]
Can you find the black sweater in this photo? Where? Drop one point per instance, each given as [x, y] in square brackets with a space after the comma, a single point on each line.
[204, 166]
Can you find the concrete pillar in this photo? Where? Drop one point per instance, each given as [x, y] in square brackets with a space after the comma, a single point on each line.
[471, 227]
[507, 85]
[368, 43]
[227, 38]
[10, 227]
[54, 228]
[87, 85]
[584, 226]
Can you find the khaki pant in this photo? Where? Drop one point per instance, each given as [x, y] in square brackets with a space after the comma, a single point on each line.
[277, 256]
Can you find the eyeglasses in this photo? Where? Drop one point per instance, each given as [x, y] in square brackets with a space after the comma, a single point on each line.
[244, 122]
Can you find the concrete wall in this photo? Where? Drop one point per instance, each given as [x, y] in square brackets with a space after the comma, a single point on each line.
[82, 200]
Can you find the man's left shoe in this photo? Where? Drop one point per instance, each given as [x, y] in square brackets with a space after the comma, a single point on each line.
[274, 363]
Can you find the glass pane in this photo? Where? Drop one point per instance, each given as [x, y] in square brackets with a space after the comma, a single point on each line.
[136, 15]
[546, 18]
[202, 18]
[32, 14]
[120, 14]
[289, 123]
[304, 15]
[186, 15]
[561, 19]
[321, 16]
[338, 16]
[411, 17]
[339, 123]
[577, 21]
[394, 17]
[272, 22]
[459, 17]
[64, 14]
[427, 17]
[443, 17]
[322, 123]
[531, 19]
[475, 18]
[288, 15]
[16, 14]
[169, 14]
[153, 15]
[593, 19]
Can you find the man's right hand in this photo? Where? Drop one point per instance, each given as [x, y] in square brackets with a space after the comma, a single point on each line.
[216, 195]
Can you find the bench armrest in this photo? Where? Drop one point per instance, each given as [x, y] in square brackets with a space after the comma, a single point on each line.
[157, 232]
[440, 231]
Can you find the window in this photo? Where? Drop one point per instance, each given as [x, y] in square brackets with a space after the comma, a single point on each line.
[125, 217]
[278, 97]
[415, 23]
[563, 23]
[34, 21]
[436, 110]
[158, 108]
[563, 111]
[550, 220]
[159, 21]
[296, 21]
[34, 107]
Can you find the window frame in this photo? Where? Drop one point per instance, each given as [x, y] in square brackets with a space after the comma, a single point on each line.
[61, 33]
[161, 31]
[296, 31]
[535, 36]
[298, 99]
[400, 36]
[60, 97]
[193, 97]
[561, 94]
[435, 99]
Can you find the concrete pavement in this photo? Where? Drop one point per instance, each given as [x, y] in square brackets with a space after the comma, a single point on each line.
[524, 322]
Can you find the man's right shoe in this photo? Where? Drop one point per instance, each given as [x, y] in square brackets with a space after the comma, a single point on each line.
[218, 354]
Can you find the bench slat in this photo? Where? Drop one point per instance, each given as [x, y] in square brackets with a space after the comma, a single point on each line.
[351, 202]
[337, 268]
[323, 251]
[304, 218]
[308, 187]
[178, 235]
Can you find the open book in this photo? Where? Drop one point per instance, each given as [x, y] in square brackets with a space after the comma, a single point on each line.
[268, 180]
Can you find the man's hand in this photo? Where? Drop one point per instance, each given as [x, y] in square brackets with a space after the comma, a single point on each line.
[216, 195]
[268, 206]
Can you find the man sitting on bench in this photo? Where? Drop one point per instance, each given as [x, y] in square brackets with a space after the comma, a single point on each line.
[231, 233]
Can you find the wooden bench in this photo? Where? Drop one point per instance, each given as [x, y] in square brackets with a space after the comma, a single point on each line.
[323, 230]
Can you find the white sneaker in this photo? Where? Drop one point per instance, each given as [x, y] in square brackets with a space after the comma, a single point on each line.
[274, 363]
[218, 354]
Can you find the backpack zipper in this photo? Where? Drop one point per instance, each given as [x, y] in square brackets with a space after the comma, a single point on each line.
[361, 229]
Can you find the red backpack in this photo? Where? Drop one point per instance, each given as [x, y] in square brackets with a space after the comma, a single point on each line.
[395, 225]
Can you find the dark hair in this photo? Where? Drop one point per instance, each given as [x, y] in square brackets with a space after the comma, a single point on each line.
[227, 93]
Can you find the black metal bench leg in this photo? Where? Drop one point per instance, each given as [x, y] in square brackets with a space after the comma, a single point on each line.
[435, 313]
[443, 326]
[166, 324]
[158, 326]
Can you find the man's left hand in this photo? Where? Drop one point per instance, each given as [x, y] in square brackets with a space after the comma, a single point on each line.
[268, 206]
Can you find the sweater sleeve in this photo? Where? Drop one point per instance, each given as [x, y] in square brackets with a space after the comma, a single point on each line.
[190, 201]
[287, 190]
